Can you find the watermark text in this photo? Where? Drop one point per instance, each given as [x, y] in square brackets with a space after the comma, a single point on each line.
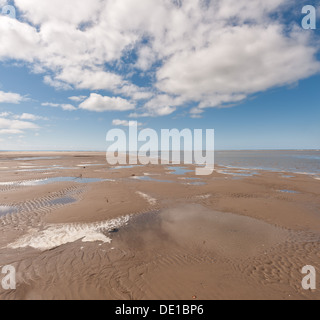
[309, 282]
[9, 11]
[8, 281]
[146, 147]
[309, 21]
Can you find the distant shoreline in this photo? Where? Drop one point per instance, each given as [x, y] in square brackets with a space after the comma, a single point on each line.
[231, 150]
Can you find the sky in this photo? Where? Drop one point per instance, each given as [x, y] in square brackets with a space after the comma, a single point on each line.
[70, 71]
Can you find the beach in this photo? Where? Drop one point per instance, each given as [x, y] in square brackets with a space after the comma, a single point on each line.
[75, 227]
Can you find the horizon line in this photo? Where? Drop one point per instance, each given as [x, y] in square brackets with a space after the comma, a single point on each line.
[218, 150]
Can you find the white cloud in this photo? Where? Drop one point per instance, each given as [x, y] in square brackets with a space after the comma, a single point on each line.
[30, 117]
[5, 114]
[208, 53]
[49, 104]
[219, 74]
[161, 105]
[2, 4]
[147, 57]
[59, 85]
[10, 131]
[77, 98]
[68, 107]
[93, 79]
[65, 107]
[134, 92]
[10, 97]
[123, 123]
[18, 40]
[100, 103]
[74, 12]
[9, 126]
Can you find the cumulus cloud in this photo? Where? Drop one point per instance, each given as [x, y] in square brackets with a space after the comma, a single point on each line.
[205, 53]
[124, 123]
[28, 116]
[77, 98]
[59, 85]
[263, 59]
[134, 92]
[5, 114]
[2, 4]
[9, 126]
[17, 124]
[65, 107]
[9, 97]
[99, 103]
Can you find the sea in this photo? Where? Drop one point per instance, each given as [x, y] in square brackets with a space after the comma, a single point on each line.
[294, 161]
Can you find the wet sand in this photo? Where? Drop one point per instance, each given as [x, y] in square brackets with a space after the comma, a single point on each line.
[144, 232]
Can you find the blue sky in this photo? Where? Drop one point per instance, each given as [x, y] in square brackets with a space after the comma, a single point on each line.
[247, 70]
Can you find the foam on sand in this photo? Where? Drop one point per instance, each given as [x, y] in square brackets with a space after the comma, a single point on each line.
[150, 200]
[57, 235]
[203, 197]
[152, 174]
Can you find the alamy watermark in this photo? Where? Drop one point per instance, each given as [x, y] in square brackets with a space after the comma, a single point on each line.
[8, 274]
[309, 282]
[146, 147]
[9, 11]
[309, 21]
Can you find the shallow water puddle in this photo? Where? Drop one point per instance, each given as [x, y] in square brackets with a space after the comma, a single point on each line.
[238, 173]
[46, 181]
[4, 210]
[289, 191]
[91, 165]
[36, 158]
[47, 169]
[62, 201]
[150, 179]
[179, 171]
[198, 228]
[31, 167]
[125, 167]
